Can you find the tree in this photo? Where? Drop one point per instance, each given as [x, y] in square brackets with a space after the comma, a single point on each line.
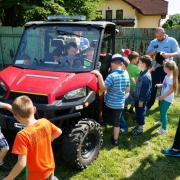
[172, 22]
[175, 18]
[89, 8]
[17, 12]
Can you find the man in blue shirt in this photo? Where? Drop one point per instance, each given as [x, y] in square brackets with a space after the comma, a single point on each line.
[165, 44]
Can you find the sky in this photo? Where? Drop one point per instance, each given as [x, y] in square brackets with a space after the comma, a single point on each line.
[173, 8]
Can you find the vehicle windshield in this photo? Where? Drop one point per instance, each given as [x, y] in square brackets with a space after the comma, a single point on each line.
[58, 48]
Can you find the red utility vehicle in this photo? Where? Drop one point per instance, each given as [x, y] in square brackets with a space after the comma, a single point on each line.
[66, 95]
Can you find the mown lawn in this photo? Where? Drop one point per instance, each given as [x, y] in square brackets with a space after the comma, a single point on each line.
[136, 158]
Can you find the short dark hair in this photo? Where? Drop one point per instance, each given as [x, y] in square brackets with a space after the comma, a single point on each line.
[57, 52]
[72, 44]
[132, 55]
[146, 59]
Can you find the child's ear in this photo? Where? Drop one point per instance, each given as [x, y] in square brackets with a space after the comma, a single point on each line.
[16, 117]
[34, 110]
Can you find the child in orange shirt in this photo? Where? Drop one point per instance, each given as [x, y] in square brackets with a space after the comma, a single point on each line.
[33, 143]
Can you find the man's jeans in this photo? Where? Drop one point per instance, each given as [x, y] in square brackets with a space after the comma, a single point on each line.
[157, 77]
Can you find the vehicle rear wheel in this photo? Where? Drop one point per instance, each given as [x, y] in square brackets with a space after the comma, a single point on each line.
[81, 146]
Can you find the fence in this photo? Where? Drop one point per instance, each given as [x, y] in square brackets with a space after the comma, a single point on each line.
[136, 39]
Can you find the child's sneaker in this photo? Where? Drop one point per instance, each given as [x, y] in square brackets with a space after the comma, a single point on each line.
[137, 132]
[170, 152]
[5, 166]
[114, 141]
[162, 131]
[158, 123]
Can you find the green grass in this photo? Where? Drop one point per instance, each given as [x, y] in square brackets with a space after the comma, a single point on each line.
[136, 158]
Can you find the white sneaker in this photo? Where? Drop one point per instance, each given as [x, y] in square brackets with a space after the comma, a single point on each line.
[158, 123]
[162, 131]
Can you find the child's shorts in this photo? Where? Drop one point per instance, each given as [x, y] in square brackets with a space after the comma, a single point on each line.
[130, 99]
[113, 116]
[3, 142]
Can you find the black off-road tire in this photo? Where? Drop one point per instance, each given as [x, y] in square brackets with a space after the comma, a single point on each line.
[81, 146]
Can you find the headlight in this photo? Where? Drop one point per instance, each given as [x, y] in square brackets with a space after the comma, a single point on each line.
[3, 86]
[77, 93]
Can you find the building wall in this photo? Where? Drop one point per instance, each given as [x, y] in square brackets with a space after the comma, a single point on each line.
[128, 11]
[147, 21]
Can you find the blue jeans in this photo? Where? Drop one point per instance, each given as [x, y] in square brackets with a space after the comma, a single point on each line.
[140, 113]
[123, 123]
[164, 106]
[157, 77]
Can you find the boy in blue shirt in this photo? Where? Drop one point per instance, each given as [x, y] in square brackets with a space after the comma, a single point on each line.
[142, 92]
[116, 84]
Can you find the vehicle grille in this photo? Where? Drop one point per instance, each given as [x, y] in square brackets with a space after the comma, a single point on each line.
[34, 97]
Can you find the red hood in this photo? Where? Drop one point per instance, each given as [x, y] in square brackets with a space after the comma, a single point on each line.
[52, 84]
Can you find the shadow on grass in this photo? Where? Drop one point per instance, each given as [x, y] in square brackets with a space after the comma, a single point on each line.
[126, 140]
[151, 168]
[61, 170]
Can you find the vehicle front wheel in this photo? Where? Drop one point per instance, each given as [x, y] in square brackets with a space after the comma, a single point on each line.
[81, 146]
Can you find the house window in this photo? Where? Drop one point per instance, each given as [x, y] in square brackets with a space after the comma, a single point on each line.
[119, 14]
[109, 14]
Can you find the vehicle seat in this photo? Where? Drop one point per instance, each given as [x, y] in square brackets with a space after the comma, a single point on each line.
[58, 43]
[105, 64]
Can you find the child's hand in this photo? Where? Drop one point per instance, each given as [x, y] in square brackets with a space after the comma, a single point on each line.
[133, 80]
[160, 98]
[140, 104]
[158, 85]
[96, 72]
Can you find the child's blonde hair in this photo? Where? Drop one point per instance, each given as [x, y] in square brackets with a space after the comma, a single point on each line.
[171, 65]
[23, 107]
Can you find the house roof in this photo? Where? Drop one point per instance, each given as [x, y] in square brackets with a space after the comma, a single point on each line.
[149, 7]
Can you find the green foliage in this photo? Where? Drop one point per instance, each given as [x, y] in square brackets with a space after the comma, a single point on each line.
[172, 22]
[165, 25]
[18, 12]
[175, 18]
[88, 8]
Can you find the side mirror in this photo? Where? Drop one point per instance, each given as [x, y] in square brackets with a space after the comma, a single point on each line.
[116, 31]
[11, 53]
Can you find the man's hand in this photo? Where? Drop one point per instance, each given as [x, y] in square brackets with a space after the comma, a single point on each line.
[165, 55]
[140, 104]
[152, 69]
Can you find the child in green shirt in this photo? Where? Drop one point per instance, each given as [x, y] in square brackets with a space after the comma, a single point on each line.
[133, 72]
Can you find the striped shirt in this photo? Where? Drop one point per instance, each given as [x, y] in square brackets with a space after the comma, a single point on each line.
[117, 82]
